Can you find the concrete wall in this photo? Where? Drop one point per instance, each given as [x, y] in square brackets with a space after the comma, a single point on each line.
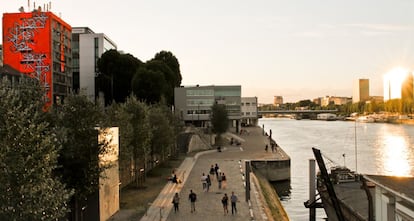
[273, 170]
[268, 196]
[109, 186]
[197, 144]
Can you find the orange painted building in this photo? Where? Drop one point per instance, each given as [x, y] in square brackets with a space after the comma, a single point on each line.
[38, 44]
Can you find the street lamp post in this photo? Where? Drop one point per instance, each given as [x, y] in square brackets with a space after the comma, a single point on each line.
[192, 117]
[198, 114]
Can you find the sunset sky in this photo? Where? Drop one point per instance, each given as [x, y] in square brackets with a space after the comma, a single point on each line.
[295, 49]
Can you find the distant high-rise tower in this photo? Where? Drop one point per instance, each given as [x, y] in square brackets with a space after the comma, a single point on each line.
[38, 44]
[277, 100]
[361, 91]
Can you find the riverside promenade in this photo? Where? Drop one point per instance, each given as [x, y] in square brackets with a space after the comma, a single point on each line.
[208, 206]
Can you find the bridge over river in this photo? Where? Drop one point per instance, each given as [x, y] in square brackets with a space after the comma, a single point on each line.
[298, 114]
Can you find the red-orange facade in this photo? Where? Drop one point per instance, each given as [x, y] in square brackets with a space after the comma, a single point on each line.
[38, 44]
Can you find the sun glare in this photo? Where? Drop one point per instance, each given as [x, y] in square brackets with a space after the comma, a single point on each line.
[395, 156]
[393, 81]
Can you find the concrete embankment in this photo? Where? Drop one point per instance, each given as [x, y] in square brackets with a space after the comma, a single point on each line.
[266, 193]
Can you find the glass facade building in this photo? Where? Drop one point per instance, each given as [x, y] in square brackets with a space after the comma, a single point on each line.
[193, 104]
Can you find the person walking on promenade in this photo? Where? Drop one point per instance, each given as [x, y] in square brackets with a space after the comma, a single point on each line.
[219, 179]
[225, 202]
[208, 180]
[266, 147]
[223, 181]
[193, 198]
[212, 172]
[176, 201]
[216, 170]
[204, 181]
[273, 147]
[233, 199]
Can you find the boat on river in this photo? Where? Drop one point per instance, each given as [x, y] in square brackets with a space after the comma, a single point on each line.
[347, 195]
[326, 116]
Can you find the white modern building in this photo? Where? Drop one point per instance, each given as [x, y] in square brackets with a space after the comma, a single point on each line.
[249, 111]
[87, 47]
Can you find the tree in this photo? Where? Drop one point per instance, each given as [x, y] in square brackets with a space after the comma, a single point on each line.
[219, 119]
[136, 140]
[115, 75]
[171, 61]
[127, 67]
[107, 66]
[79, 157]
[163, 139]
[305, 103]
[169, 76]
[149, 85]
[28, 156]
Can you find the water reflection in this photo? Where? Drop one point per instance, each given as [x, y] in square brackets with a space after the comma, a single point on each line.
[383, 149]
[395, 154]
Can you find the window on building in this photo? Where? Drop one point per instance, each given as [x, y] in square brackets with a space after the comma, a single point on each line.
[96, 44]
[199, 93]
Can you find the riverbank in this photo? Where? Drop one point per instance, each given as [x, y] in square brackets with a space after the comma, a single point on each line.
[231, 161]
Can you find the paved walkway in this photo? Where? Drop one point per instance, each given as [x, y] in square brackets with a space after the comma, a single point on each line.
[208, 206]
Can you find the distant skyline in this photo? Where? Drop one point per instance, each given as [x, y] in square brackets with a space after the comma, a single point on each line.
[298, 50]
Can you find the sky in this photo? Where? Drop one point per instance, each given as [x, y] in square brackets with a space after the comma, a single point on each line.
[300, 49]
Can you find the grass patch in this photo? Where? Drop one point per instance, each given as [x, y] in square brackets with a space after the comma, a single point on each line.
[138, 199]
[276, 210]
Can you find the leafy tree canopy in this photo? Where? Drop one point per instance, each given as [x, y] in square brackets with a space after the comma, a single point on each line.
[79, 160]
[28, 156]
[149, 85]
[171, 61]
[162, 130]
[116, 71]
[219, 119]
[169, 76]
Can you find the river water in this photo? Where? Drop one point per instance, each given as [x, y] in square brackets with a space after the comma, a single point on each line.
[382, 149]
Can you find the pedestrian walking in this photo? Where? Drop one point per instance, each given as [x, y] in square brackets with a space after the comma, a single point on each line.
[266, 147]
[193, 198]
[176, 201]
[223, 181]
[220, 180]
[216, 169]
[208, 180]
[233, 199]
[273, 147]
[212, 172]
[204, 181]
[225, 202]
